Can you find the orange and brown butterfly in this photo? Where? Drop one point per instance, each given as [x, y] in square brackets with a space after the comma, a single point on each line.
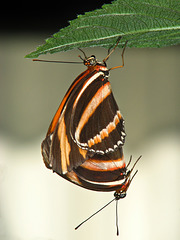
[85, 138]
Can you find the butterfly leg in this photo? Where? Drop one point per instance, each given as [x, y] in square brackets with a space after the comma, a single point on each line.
[122, 55]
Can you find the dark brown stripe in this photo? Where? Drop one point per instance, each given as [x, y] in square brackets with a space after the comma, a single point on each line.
[101, 176]
[78, 180]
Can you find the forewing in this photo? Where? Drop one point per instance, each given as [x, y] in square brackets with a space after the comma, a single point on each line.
[96, 122]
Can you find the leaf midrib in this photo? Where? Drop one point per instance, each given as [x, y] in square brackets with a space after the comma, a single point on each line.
[113, 36]
[128, 14]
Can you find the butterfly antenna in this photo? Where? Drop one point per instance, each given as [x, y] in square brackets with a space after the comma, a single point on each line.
[94, 213]
[49, 61]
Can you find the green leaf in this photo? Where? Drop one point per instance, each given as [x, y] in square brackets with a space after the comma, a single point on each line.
[144, 23]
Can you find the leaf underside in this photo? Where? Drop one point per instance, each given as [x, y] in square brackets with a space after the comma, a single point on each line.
[144, 23]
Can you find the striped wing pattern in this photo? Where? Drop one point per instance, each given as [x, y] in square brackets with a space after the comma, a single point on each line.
[84, 141]
[96, 122]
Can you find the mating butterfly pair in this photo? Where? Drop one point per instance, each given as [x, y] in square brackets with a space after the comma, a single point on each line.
[85, 138]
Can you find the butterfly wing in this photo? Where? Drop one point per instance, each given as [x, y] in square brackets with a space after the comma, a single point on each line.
[88, 122]
[59, 151]
[96, 122]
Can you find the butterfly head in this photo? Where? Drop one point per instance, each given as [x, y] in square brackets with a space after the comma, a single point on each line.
[119, 195]
[90, 61]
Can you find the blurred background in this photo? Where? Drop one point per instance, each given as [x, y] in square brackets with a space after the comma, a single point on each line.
[36, 204]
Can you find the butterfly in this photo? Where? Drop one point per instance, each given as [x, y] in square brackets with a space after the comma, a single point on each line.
[84, 142]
